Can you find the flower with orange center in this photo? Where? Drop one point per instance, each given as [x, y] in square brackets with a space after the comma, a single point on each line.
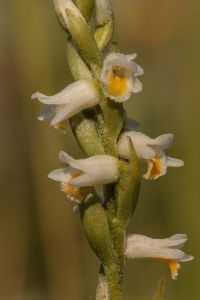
[119, 76]
[92, 171]
[166, 250]
[149, 150]
[74, 98]
[117, 81]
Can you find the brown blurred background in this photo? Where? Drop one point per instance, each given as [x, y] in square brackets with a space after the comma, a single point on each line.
[43, 251]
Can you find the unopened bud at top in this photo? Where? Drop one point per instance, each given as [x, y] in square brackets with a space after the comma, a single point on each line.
[60, 6]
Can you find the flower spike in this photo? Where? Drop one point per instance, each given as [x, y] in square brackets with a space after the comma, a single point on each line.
[149, 150]
[166, 250]
[93, 171]
[73, 99]
[105, 185]
[119, 76]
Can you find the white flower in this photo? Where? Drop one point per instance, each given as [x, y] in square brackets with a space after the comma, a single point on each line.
[73, 99]
[93, 171]
[150, 150]
[119, 76]
[166, 250]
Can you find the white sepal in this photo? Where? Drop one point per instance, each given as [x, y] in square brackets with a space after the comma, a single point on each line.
[62, 174]
[174, 162]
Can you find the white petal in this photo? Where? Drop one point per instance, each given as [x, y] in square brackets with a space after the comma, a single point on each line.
[56, 99]
[163, 141]
[131, 57]
[179, 236]
[136, 69]
[97, 170]
[139, 71]
[61, 174]
[76, 103]
[139, 246]
[137, 86]
[116, 59]
[186, 257]
[175, 241]
[173, 162]
[76, 91]
[65, 157]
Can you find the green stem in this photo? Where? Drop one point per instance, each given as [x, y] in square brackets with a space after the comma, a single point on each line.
[117, 233]
[109, 284]
[113, 116]
[113, 278]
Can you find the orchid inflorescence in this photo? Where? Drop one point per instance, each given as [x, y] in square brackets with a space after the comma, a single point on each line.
[105, 185]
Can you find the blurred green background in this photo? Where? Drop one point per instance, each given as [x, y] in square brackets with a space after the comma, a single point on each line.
[43, 251]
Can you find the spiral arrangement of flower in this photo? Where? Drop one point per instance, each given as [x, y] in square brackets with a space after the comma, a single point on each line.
[105, 184]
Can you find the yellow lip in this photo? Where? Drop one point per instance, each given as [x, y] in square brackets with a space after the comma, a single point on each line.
[117, 82]
[155, 167]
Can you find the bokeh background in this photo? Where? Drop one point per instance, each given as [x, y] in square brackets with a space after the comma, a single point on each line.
[43, 251]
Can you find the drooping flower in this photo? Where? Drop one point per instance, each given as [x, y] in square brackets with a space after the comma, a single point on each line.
[119, 76]
[93, 171]
[76, 97]
[149, 150]
[166, 250]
